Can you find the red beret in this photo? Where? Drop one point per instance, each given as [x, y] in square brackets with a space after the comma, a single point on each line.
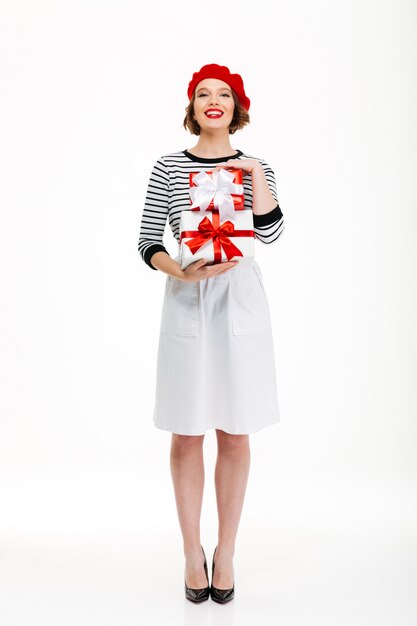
[222, 73]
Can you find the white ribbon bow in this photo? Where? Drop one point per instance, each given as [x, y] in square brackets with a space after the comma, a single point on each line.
[218, 188]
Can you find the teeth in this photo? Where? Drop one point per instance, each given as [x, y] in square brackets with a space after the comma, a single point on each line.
[210, 114]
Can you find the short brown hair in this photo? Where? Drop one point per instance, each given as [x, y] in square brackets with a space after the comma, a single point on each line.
[239, 120]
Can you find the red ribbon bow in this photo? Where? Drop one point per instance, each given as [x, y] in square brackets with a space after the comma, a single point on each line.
[219, 233]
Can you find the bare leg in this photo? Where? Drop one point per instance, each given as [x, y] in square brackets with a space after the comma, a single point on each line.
[231, 477]
[187, 471]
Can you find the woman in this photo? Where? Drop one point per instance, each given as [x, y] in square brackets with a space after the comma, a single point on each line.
[215, 365]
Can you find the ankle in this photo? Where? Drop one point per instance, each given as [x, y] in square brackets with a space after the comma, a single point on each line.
[193, 552]
[225, 551]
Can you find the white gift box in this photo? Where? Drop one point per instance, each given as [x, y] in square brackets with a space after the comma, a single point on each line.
[198, 228]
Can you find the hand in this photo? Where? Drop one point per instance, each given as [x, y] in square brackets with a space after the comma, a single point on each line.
[246, 165]
[196, 271]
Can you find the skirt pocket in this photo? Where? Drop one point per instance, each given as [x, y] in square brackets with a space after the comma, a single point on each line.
[180, 308]
[250, 309]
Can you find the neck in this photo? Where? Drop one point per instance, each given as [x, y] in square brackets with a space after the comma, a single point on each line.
[212, 145]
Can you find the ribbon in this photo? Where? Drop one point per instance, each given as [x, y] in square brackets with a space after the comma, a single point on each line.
[219, 234]
[217, 188]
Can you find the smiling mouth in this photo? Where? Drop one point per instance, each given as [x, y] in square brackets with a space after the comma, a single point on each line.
[213, 114]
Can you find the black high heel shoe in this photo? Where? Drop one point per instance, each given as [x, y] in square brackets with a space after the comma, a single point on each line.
[220, 595]
[198, 595]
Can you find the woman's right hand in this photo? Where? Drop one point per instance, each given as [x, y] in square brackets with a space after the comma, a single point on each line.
[198, 270]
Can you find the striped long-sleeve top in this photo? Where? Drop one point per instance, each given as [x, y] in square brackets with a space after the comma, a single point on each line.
[168, 193]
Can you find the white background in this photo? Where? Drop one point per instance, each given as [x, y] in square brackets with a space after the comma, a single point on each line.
[92, 93]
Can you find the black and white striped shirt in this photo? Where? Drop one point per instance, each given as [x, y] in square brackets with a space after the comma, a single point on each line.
[168, 194]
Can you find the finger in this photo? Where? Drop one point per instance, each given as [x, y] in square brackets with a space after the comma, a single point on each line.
[223, 267]
[226, 164]
[225, 264]
[199, 263]
[210, 270]
[227, 268]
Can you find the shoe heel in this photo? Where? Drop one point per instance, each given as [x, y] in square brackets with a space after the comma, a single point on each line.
[220, 595]
[202, 594]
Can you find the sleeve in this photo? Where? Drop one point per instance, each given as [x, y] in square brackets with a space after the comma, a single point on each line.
[269, 226]
[155, 213]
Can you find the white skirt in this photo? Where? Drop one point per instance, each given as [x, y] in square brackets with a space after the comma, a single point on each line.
[215, 362]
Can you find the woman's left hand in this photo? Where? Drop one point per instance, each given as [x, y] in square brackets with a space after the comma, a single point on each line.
[246, 165]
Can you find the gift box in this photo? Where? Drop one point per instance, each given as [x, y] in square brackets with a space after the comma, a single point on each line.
[203, 234]
[219, 189]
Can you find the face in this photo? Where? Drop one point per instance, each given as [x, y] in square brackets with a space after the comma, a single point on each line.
[212, 93]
